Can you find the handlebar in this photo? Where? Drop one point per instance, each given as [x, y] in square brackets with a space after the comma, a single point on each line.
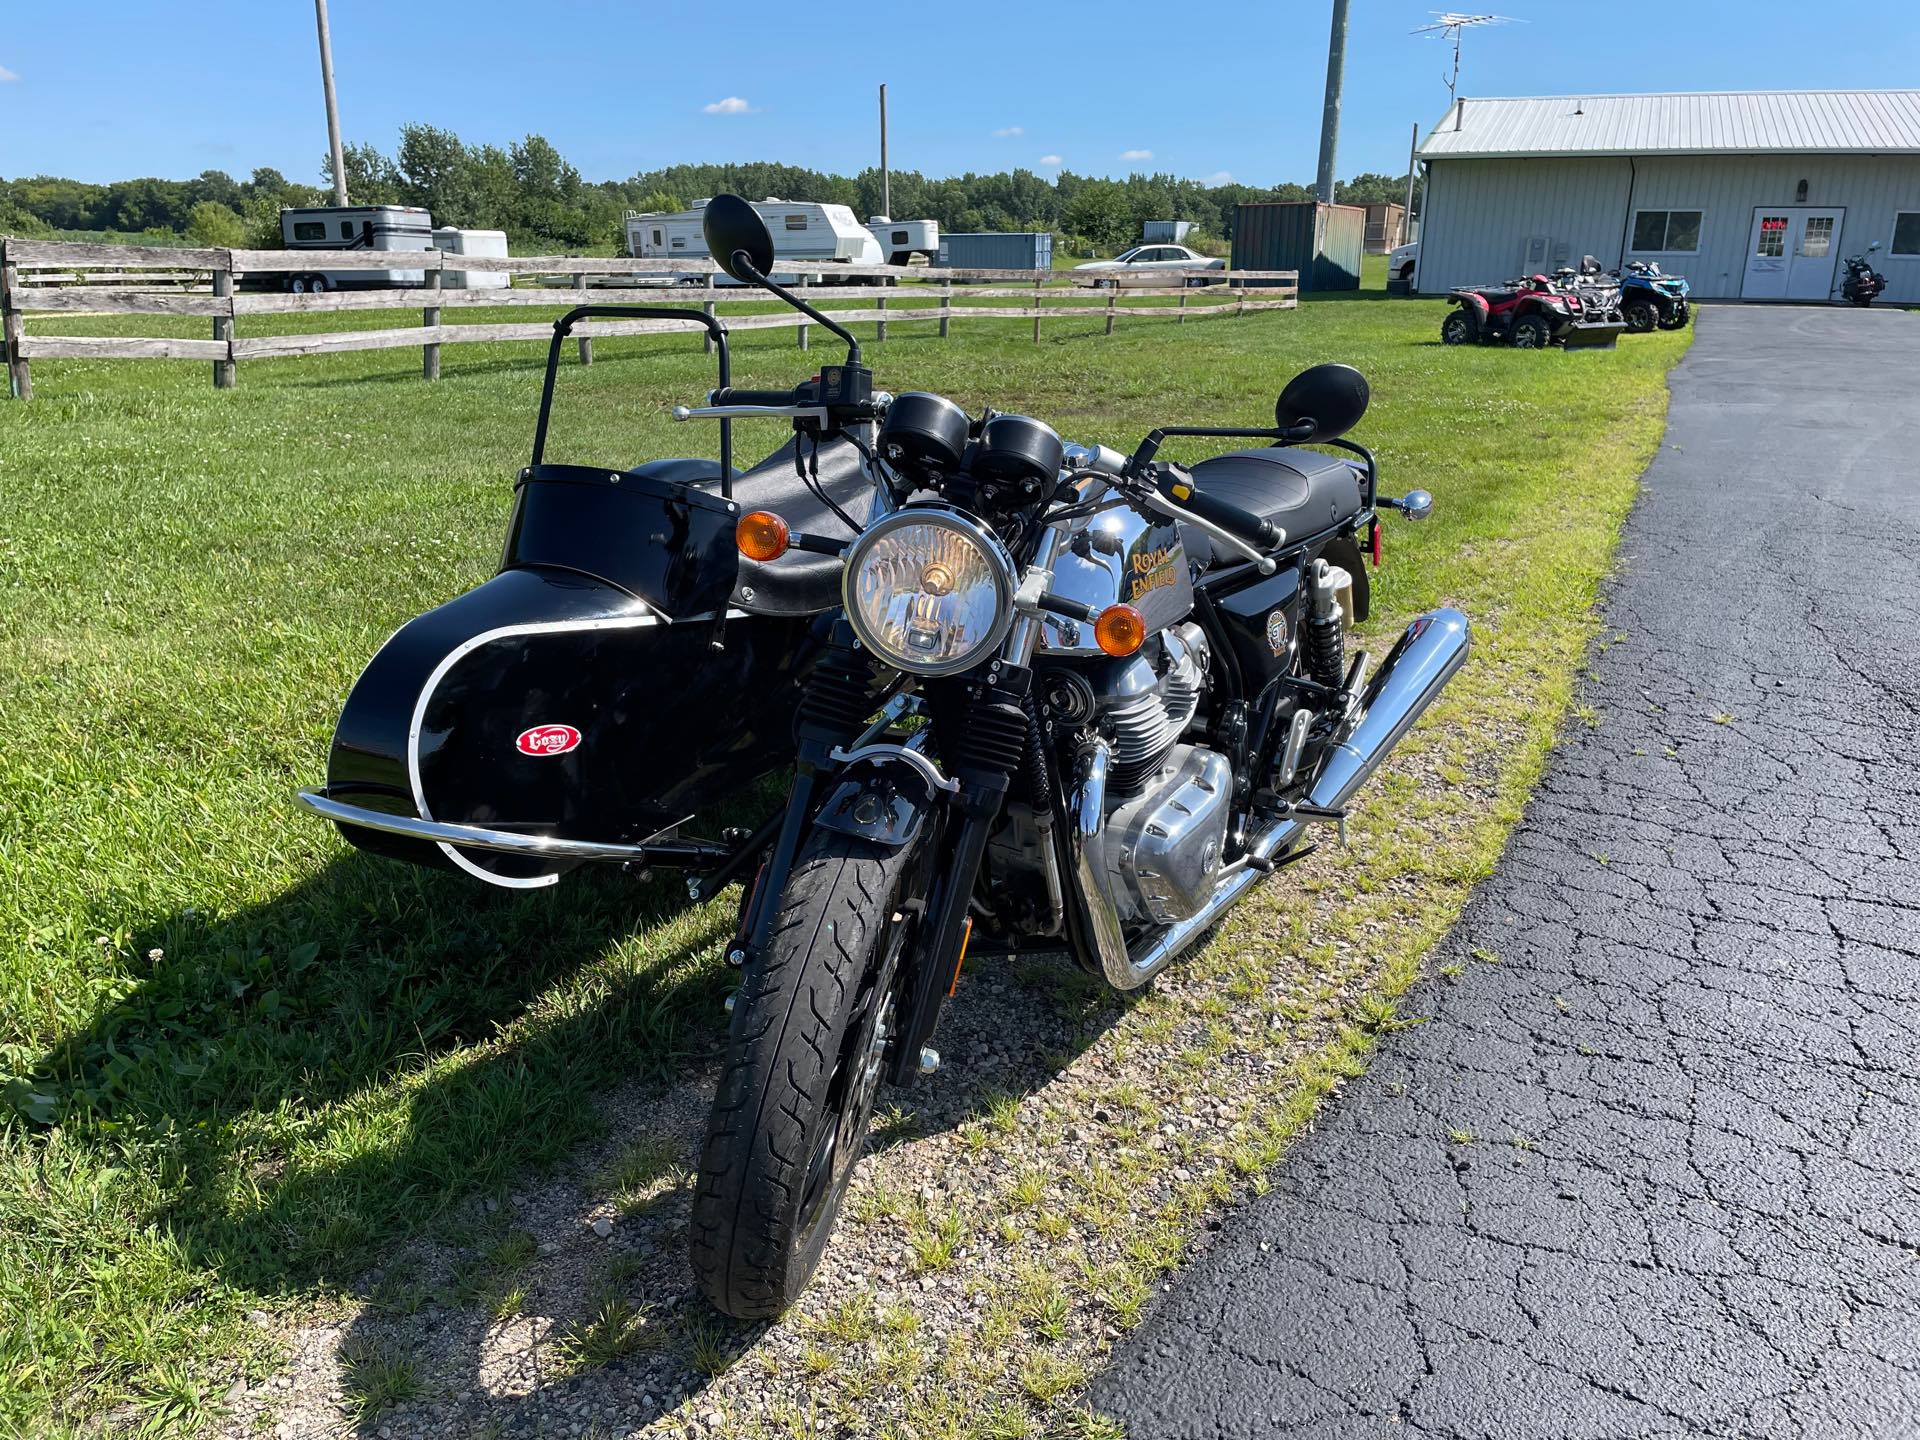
[1254, 530]
[735, 395]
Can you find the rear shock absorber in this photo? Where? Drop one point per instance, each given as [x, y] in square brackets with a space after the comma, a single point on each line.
[1325, 640]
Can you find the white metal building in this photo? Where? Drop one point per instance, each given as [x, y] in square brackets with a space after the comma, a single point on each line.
[1751, 195]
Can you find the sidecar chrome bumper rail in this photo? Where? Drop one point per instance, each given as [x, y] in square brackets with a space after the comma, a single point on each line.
[473, 837]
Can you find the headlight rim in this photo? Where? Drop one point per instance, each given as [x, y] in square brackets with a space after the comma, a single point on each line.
[1000, 563]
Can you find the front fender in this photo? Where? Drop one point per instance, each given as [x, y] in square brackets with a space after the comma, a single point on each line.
[883, 793]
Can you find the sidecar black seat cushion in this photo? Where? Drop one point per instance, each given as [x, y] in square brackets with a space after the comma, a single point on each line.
[800, 582]
[1303, 491]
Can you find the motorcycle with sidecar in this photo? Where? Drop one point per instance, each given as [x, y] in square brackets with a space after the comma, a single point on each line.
[1033, 696]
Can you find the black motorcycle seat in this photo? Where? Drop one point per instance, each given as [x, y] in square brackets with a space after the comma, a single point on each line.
[800, 582]
[1303, 491]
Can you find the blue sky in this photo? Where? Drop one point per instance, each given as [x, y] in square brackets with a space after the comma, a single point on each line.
[160, 89]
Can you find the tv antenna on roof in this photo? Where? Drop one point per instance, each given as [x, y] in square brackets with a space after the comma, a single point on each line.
[1451, 25]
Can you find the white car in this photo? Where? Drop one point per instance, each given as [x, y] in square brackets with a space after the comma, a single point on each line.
[1146, 265]
[1401, 262]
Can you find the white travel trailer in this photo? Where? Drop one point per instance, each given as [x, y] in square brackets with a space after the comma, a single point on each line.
[901, 240]
[356, 227]
[801, 231]
[452, 241]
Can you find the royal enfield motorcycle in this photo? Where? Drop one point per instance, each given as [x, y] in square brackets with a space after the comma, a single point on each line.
[1037, 697]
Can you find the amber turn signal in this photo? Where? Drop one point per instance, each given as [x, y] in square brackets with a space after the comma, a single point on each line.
[1120, 630]
[761, 535]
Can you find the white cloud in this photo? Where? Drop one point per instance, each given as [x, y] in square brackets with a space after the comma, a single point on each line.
[7, 75]
[1007, 132]
[732, 105]
[1049, 159]
[1218, 177]
[1136, 154]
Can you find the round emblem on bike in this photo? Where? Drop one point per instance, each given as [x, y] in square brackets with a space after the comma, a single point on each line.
[547, 740]
[1279, 635]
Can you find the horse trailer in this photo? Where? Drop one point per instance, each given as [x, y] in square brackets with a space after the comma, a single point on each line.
[356, 227]
[901, 240]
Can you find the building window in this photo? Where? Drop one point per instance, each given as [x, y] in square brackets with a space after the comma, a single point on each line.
[1667, 232]
[1906, 233]
[1772, 244]
[1817, 241]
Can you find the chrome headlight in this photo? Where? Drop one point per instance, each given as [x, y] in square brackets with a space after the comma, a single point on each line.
[929, 591]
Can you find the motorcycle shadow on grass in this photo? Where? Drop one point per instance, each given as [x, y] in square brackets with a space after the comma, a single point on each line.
[396, 1086]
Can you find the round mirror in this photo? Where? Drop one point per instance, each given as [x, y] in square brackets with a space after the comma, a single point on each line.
[734, 230]
[1416, 504]
[1330, 399]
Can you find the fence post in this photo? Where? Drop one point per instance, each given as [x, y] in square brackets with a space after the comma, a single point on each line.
[430, 319]
[586, 342]
[1036, 308]
[223, 370]
[946, 310]
[880, 329]
[1240, 301]
[20, 382]
[1183, 306]
[1113, 296]
[711, 310]
[805, 329]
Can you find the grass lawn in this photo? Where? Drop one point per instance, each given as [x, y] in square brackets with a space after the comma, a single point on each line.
[242, 1063]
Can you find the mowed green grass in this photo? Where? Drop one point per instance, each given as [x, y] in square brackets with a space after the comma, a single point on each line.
[242, 1062]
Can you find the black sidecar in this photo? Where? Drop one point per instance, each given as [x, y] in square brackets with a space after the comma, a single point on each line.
[625, 669]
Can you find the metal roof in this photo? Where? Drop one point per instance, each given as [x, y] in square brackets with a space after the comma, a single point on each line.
[1740, 122]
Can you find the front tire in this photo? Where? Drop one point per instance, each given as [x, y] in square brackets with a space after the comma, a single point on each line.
[1677, 317]
[1532, 332]
[1641, 315]
[803, 1064]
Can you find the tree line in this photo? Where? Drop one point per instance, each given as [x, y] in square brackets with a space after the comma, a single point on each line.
[529, 190]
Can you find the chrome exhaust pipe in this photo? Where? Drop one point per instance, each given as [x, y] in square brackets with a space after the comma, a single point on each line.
[1414, 673]
[1412, 676]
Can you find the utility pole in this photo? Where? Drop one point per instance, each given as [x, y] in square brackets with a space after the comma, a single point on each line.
[1406, 219]
[886, 182]
[333, 105]
[1330, 117]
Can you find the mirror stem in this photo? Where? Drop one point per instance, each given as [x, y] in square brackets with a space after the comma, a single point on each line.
[746, 266]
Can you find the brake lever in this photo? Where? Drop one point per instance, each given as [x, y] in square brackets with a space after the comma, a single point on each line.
[1150, 496]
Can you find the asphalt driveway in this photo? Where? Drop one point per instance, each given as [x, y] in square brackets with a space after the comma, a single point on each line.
[1653, 1166]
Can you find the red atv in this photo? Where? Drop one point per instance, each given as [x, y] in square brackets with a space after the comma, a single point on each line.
[1531, 313]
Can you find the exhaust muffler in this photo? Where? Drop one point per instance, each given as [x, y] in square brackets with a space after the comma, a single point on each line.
[1414, 673]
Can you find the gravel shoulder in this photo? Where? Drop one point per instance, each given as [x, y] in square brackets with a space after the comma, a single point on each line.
[1648, 1169]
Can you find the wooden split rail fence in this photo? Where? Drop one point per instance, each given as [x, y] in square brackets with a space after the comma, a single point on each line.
[248, 284]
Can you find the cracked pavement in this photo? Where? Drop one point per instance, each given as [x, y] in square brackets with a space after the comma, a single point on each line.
[1652, 1167]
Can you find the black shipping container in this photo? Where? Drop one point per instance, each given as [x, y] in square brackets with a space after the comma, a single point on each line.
[1322, 242]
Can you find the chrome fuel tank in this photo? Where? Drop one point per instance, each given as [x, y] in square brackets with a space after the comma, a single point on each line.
[1115, 557]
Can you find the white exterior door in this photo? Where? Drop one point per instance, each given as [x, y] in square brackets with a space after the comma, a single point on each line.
[1811, 277]
[1791, 254]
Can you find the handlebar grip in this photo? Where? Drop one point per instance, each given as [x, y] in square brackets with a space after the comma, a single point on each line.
[733, 395]
[1256, 530]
